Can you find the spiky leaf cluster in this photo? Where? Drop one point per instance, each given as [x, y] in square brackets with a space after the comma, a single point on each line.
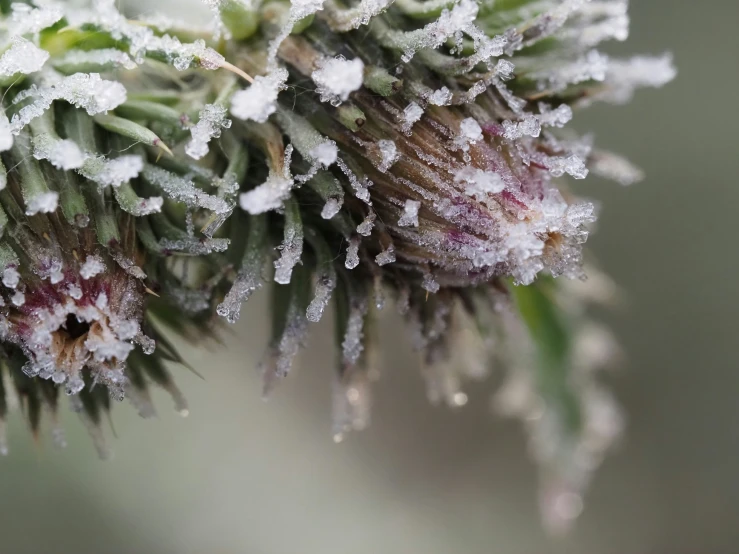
[158, 174]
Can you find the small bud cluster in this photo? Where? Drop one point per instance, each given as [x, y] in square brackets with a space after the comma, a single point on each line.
[158, 172]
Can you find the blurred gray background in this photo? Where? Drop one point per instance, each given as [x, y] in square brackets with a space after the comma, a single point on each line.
[244, 476]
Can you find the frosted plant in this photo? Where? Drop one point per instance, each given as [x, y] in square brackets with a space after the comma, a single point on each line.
[155, 175]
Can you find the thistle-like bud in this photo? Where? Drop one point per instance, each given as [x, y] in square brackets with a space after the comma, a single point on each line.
[159, 174]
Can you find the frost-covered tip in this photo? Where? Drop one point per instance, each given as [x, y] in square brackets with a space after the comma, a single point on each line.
[211, 122]
[336, 78]
[259, 101]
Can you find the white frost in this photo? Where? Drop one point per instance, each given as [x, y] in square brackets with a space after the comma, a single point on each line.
[212, 120]
[22, 57]
[336, 78]
[410, 214]
[259, 101]
[93, 265]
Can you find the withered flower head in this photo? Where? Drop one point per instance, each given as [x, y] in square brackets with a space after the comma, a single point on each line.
[157, 174]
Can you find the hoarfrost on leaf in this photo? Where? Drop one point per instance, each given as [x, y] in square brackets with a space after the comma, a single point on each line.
[22, 57]
[115, 172]
[29, 20]
[270, 195]
[107, 58]
[83, 90]
[436, 33]
[61, 153]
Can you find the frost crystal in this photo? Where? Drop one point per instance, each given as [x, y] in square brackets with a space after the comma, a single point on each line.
[106, 58]
[212, 120]
[352, 253]
[93, 265]
[336, 78]
[365, 228]
[441, 97]
[529, 127]
[22, 57]
[410, 214]
[331, 207]
[470, 130]
[410, 115]
[18, 298]
[259, 101]
[478, 183]
[45, 202]
[247, 281]
[183, 190]
[355, 17]
[115, 172]
[433, 35]
[271, 194]
[84, 90]
[29, 20]
[324, 287]
[388, 154]
[324, 153]
[11, 277]
[291, 250]
[62, 154]
[386, 256]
